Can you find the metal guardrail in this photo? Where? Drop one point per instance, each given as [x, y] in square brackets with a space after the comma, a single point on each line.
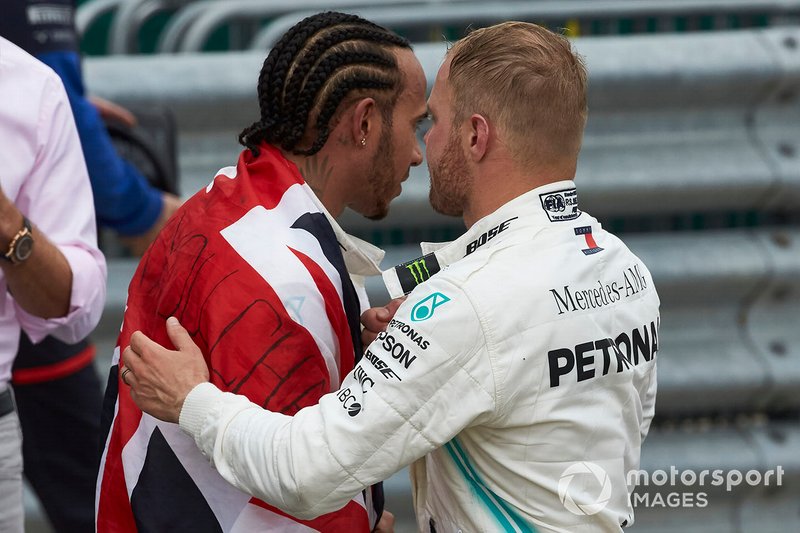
[132, 14]
[88, 13]
[208, 15]
[192, 26]
[712, 118]
[468, 14]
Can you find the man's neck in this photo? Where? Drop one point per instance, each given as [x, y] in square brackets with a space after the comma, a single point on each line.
[497, 184]
[319, 172]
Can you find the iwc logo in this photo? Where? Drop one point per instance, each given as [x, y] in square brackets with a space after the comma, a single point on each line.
[584, 496]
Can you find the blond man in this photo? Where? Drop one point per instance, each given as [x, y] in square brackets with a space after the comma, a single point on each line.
[518, 382]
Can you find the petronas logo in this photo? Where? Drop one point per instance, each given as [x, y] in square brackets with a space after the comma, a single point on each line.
[419, 270]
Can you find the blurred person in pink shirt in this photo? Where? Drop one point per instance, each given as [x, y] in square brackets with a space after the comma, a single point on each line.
[52, 275]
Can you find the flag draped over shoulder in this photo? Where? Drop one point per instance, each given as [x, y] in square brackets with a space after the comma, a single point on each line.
[252, 268]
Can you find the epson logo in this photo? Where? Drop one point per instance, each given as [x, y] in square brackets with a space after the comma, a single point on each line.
[396, 349]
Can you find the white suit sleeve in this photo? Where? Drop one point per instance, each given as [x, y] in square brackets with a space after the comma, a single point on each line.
[417, 386]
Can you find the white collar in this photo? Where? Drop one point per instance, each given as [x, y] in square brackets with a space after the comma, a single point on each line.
[539, 207]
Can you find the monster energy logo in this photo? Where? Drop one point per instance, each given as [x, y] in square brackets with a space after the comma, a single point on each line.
[419, 270]
[414, 272]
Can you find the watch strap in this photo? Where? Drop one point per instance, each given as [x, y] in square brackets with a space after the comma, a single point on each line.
[26, 229]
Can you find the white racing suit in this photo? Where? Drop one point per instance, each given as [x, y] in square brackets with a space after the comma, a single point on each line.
[519, 380]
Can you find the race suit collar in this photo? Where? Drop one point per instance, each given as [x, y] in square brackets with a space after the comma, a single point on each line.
[539, 207]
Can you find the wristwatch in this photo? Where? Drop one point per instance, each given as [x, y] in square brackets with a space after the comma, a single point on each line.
[21, 245]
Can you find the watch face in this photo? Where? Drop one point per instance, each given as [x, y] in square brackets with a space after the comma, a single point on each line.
[24, 247]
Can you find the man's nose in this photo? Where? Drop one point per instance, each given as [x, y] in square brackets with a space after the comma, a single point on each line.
[417, 157]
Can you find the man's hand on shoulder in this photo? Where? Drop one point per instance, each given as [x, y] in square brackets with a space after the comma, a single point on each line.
[160, 379]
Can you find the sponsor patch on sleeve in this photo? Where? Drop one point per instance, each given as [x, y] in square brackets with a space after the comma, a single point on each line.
[412, 273]
[561, 205]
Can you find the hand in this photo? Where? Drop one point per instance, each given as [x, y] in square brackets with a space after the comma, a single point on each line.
[138, 244]
[376, 319]
[385, 524]
[160, 379]
[109, 111]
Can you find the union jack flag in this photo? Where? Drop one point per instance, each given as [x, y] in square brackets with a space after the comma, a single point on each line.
[252, 268]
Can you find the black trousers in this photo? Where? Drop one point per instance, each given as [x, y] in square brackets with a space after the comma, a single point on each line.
[58, 400]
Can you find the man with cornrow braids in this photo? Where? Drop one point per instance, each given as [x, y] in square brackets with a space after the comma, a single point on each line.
[258, 269]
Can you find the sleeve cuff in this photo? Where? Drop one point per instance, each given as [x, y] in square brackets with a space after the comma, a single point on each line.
[87, 296]
[199, 404]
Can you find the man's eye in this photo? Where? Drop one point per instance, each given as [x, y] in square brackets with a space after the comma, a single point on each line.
[423, 124]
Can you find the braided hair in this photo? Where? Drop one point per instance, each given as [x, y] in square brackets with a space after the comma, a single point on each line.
[319, 63]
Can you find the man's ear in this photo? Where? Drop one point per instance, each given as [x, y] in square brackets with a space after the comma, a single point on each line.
[478, 137]
[364, 121]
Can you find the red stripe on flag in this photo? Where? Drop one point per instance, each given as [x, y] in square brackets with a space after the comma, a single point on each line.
[114, 513]
[335, 312]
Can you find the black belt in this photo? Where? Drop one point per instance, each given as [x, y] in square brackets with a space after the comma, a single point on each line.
[6, 402]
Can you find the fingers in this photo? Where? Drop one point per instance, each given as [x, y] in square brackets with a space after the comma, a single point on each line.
[171, 203]
[180, 337]
[391, 307]
[111, 111]
[141, 344]
[367, 337]
[129, 378]
[373, 320]
[377, 318]
[385, 524]
[130, 358]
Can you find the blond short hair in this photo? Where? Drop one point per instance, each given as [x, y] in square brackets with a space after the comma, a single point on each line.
[528, 81]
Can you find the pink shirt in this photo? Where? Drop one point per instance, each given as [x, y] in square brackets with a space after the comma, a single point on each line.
[43, 172]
